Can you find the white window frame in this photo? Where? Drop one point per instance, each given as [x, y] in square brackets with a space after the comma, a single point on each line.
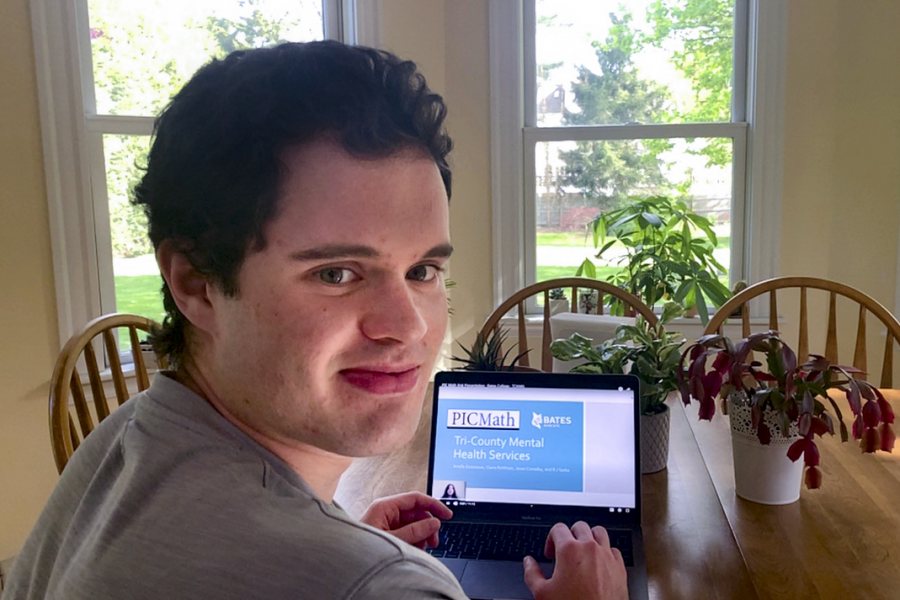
[758, 106]
[72, 138]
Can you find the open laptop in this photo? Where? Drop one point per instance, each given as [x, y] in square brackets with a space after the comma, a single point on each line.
[513, 453]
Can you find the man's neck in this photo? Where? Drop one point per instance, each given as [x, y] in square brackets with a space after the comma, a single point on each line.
[321, 470]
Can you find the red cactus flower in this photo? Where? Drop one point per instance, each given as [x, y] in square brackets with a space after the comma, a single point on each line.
[811, 456]
[871, 414]
[858, 427]
[870, 441]
[707, 408]
[721, 363]
[813, 478]
[712, 383]
[763, 434]
[887, 413]
[798, 448]
[887, 437]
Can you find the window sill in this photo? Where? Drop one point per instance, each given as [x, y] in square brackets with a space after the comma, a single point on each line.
[691, 327]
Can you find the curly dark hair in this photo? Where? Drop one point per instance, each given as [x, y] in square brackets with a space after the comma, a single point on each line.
[211, 183]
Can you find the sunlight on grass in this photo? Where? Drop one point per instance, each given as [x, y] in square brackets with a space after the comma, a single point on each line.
[140, 295]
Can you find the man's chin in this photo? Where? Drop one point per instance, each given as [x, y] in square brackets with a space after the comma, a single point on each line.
[393, 437]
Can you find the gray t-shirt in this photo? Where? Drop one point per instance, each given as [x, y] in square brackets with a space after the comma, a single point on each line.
[167, 499]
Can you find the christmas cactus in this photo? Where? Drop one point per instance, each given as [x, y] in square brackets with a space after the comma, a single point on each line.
[797, 394]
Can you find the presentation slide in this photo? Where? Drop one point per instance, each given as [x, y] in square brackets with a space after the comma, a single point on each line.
[511, 444]
[543, 446]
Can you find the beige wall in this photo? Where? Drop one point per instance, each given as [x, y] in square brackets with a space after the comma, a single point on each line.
[841, 203]
[842, 145]
[449, 41]
[27, 302]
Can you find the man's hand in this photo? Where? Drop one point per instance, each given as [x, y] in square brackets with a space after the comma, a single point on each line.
[413, 517]
[586, 566]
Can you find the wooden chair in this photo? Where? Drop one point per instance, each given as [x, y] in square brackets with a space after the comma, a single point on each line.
[866, 306]
[67, 431]
[543, 288]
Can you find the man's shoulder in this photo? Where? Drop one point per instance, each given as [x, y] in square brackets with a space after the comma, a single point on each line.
[340, 557]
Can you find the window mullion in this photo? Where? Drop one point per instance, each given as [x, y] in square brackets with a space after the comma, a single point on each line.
[82, 40]
[529, 41]
[741, 54]
[120, 125]
[629, 132]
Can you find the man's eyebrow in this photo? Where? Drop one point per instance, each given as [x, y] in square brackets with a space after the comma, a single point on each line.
[332, 251]
[440, 251]
[335, 251]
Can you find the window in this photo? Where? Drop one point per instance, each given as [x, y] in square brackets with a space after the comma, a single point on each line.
[105, 69]
[596, 103]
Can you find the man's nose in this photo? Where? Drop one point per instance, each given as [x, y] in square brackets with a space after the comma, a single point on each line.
[395, 313]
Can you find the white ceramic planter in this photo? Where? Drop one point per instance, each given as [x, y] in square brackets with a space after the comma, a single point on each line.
[655, 441]
[763, 473]
[559, 305]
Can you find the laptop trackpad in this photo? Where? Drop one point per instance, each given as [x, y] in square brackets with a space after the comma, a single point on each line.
[456, 566]
[497, 579]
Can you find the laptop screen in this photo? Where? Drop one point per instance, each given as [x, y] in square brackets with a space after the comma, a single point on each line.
[535, 439]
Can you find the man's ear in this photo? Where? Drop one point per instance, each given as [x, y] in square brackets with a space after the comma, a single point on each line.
[189, 288]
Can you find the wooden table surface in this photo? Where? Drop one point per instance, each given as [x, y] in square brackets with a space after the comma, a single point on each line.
[841, 541]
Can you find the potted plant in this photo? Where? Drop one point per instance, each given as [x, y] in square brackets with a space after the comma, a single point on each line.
[778, 408]
[486, 354]
[654, 356]
[668, 254]
[558, 301]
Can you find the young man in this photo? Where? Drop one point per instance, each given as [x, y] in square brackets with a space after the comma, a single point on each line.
[297, 198]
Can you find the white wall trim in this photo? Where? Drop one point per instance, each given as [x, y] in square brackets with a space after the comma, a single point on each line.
[765, 112]
[67, 179]
[362, 22]
[897, 281]
[507, 116]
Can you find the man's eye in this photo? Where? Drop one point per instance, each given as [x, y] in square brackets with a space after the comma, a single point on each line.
[336, 275]
[422, 273]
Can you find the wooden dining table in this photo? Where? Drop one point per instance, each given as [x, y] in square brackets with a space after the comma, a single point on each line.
[702, 541]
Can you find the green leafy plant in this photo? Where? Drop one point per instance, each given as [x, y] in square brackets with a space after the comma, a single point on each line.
[714, 367]
[486, 353]
[668, 254]
[557, 294]
[647, 351]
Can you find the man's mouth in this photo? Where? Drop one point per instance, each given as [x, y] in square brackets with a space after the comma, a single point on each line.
[382, 380]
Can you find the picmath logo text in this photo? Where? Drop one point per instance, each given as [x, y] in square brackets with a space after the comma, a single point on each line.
[459, 418]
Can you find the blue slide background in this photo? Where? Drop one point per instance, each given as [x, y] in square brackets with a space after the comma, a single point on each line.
[562, 448]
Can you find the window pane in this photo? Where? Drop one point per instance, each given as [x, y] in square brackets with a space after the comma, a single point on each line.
[137, 279]
[578, 181]
[634, 61]
[144, 50]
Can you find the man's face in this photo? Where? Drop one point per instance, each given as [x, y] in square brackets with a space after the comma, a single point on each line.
[332, 337]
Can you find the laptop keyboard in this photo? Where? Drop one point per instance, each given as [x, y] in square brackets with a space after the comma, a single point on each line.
[491, 541]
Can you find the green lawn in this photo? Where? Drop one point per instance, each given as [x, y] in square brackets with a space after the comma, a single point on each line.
[564, 238]
[139, 294]
[578, 239]
[549, 272]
